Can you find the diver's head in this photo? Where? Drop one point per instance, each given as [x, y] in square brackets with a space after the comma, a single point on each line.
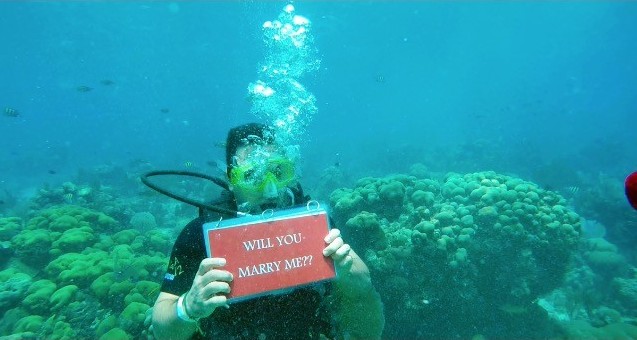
[258, 170]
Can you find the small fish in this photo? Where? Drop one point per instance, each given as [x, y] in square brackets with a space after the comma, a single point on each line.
[83, 88]
[220, 144]
[107, 82]
[572, 190]
[68, 197]
[11, 112]
[218, 165]
[188, 164]
[380, 78]
[52, 172]
[164, 110]
[512, 309]
[138, 162]
[123, 271]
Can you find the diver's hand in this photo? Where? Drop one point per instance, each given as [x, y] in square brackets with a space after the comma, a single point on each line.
[208, 288]
[338, 250]
[353, 274]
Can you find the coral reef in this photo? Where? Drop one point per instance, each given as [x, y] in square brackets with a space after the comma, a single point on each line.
[143, 221]
[9, 227]
[13, 288]
[625, 290]
[463, 252]
[582, 330]
[480, 255]
[603, 257]
[96, 279]
[601, 197]
[103, 199]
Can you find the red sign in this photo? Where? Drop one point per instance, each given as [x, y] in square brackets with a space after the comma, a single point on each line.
[266, 255]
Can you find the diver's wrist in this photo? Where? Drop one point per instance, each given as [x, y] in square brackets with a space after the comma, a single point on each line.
[182, 311]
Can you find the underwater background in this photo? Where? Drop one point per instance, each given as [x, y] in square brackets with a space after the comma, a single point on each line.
[473, 153]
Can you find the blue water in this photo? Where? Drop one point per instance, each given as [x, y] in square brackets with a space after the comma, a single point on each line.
[544, 91]
[545, 80]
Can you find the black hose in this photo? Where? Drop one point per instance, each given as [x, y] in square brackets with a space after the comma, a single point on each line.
[218, 181]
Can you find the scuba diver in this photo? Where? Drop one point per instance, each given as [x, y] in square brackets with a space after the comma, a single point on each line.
[193, 303]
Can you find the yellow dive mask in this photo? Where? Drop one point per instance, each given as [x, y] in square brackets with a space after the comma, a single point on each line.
[277, 172]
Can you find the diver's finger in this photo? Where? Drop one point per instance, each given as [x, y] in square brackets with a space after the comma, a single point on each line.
[216, 275]
[343, 250]
[332, 247]
[345, 263]
[214, 288]
[332, 235]
[217, 301]
[210, 262]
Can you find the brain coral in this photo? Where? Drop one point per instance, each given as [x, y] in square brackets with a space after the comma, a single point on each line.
[143, 221]
[90, 278]
[58, 230]
[461, 252]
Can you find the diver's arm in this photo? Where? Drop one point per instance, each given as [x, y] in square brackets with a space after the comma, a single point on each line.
[166, 324]
[361, 309]
[206, 294]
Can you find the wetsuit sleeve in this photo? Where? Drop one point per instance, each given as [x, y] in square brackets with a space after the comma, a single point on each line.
[188, 252]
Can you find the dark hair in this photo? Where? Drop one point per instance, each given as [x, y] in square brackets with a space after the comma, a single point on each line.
[239, 136]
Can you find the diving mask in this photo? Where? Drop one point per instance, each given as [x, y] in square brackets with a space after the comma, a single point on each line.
[275, 173]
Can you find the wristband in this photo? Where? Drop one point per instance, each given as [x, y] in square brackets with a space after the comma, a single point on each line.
[181, 310]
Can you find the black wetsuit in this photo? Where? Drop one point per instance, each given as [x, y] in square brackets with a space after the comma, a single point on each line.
[302, 314]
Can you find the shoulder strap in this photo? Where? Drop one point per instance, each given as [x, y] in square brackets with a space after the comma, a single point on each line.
[299, 197]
